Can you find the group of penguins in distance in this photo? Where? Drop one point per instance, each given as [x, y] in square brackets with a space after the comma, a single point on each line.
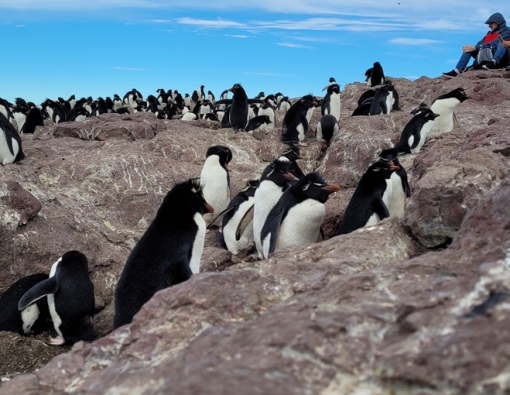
[283, 208]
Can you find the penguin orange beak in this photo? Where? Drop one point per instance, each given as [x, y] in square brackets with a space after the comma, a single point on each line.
[394, 168]
[332, 188]
[300, 157]
[436, 115]
[209, 208]
[290, 177]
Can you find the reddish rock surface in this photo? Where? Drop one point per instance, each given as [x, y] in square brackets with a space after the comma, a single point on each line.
[412, 306]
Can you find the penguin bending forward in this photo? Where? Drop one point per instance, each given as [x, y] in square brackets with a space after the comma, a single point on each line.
[297, 217]
[369, 203]
[168, 253]
[34, 319]
[70, 296]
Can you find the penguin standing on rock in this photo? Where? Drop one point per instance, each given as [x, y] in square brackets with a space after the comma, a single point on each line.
[168, 253]
[297, 217]
[70, 296]
[400, 186]
[369, 203]
[295, 123]
[34, 118]
[416, 132]
[273, 182]
[34, 319]
[239, 108]
[331, 103]
[375, 75]
[284, 104]
[10, 143]
[215, 179]
[237, 225]
[385, 100]
[444, 105]
[327, 128]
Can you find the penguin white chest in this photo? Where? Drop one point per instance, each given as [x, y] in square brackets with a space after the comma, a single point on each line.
[424, 136]
[266, 196]
[198, 244]
[230, 230]
[443, 123]
[6, 156]
[20, 120]
[29, 315]
[57, 321]
[309, 114]
[270, 113]
[216, 187]
[398, 197]
[301, 224]
[390, 100]
[335, 105]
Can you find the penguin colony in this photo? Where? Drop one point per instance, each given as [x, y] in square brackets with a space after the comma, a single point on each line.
[282, 209]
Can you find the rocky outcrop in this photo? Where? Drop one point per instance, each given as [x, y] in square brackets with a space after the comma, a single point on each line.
[415, 306]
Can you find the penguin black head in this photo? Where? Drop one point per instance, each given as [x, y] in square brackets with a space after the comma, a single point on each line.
[427, 114]
[382, 168]
[458, 94]
[278, 172]
[420, 108]
[183, 200]
[74, 260]
[332, 80]
[312, 186]
[224, 153]
[390, 156]
[308, 101]
[292, 153]
[236, 88]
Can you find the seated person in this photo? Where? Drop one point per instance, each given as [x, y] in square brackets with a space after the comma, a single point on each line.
[497, 24]
[501, 56]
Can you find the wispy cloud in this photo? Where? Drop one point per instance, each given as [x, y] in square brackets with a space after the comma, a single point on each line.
[414, 41]
[20, 25]
[236, 35]
[290, 45]
[128, 68]
[214, 23]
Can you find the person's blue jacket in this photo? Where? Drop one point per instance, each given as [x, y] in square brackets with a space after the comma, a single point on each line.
[502, 30]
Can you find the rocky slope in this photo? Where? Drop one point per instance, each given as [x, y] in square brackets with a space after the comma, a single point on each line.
[417, 306]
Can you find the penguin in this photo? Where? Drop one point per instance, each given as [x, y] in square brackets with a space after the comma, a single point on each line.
[384, 100]
[267, 109]
[331, 102]
[225, 120]
[416, 132]
[55, 111]
[170, 111]
[210, 97]
[271, 101]
[211, 117]
[5, 109]
[375, 75]
[223, 96]
[327, 128]
[297, 217]
[284, 104]
[309, 113]
[273, 182]
[260, 96]
[187, 100]
[71, 101]
[201, 93]
[101, 108]
[258, 121]
[400, 186]
[70, 296]
[162, 96]
[444, 105]
[422, 107]
[20, 116]
[80, 103]
[79, 114]
[192, 115]
[121, 110]
[239, 107]
[295, 123]
[168, 253]
[237, 226]
[363, 109]
[215, 178]
[34, 319]
[117, 102]
[291, 154]
[369, 203]
[10, 143]
[194, 97]
[179, 101]
[34, 118]
[131, 98]
[205, 108]
[109, 103]
[152, 103]
[368, 94]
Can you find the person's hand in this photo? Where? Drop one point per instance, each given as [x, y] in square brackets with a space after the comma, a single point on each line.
[468, 48]
[506, 44]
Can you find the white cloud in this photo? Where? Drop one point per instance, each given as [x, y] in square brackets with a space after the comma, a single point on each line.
[214, 24]
[293, 45]
[20, 25]
[414, 41]
[236, 35]
[128, 68]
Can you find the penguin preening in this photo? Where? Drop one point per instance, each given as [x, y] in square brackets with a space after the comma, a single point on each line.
[369, 203]
[168, 253]
[237, 226]
[273, 182]
[416, 132]
[34, 319]
[215, 178]
[295, 123]
[444, 105]
[400, 186]
[296, 218]
[70, 295]
[375, 75]
[10, 143]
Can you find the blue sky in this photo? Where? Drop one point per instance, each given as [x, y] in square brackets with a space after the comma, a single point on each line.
[99, 48]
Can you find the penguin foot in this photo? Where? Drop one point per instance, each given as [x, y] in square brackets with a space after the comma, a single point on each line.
[56, 341]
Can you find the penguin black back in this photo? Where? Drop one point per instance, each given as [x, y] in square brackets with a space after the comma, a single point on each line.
[34, 118]
[163, 255]
[295, 124]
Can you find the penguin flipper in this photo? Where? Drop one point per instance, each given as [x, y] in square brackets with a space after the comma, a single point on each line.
[273, 230]
[245, 222]
[38, 291]
[405, 183]
[380, 208]
[455, 122]
[223, 101]
[229, 208]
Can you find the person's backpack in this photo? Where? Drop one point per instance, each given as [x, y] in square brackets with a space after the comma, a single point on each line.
[485, 55]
